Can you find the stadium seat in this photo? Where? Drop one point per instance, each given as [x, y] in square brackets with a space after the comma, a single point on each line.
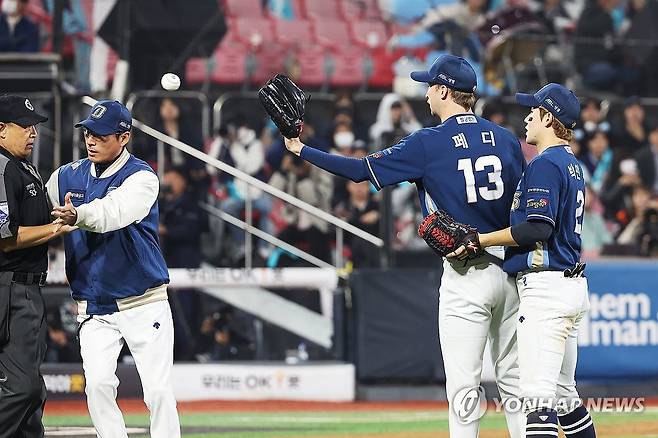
[382, 67]
[370, 34]
[269, 61]
[293, 33]
[348, 66]
[359, 10]
[195, 70]
[322, 9]
[332, 33]
[230, 64]
[253, 31]
[243, 8]
[312, 66]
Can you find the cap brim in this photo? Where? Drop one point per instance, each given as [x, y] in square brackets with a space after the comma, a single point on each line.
[527, 100]
[421, 76]
[95, 127]
[30, 120]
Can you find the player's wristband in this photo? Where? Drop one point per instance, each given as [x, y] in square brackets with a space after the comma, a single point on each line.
[527, 233]
[352, 168]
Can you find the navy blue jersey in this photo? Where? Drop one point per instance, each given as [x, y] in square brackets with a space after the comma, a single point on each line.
[552, 190]
[467, 166]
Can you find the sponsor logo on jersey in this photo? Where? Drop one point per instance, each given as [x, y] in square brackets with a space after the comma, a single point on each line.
[516, 202]
[538, 190]
[537, 203]
[466, 119]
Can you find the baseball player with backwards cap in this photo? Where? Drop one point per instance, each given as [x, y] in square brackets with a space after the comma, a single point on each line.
[116, 270]
[469, 167]
[544, 239]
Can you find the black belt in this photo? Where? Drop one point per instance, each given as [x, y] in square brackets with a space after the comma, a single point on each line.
[30, 278]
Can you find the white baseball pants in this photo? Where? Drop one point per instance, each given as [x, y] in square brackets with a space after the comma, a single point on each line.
[476, 302]
[550, 312]
[149, 332]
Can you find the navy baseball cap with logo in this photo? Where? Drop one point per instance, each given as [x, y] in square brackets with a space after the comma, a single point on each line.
[107, 117]
[449, 70]
[557, 99]
[19, 110]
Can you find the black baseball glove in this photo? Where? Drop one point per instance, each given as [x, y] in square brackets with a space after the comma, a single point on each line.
[444, 235]
[285, 103]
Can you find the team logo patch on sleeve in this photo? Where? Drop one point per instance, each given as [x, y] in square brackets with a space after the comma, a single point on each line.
[381, 154]
[4, 213]
[537, 203]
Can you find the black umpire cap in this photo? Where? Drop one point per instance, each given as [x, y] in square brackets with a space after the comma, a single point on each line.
[19, 110]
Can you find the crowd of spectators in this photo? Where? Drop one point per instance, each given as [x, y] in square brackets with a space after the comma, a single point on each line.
[613, 47]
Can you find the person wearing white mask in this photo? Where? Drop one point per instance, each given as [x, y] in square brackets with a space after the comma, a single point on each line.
[343, 138]
[248, 154]
[17, 32]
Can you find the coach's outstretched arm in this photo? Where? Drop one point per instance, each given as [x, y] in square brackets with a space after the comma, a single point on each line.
[347, 167]
[128, 203]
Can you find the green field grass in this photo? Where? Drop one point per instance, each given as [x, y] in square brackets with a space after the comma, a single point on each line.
[343, 424]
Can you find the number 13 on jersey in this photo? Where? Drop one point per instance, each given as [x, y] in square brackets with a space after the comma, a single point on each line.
[485, 162]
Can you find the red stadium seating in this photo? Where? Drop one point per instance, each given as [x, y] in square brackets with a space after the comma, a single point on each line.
[195, 70]
[332, 33]
[370, 34]
[382, 67]
[322, 9]
[348, 67]
[359, 10]
[253, 31]
[269, 61]
[312, 66]
[230, 64]
[293, 33]
[243, 8]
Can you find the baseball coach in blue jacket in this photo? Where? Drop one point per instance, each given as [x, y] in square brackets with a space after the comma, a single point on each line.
[116, 270]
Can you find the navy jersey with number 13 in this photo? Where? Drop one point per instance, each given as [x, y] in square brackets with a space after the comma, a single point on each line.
[552, 190]
[467, 166]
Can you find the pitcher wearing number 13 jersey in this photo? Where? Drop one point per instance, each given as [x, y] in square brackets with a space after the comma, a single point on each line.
[552, 190]
[467, 166]
[470, 168]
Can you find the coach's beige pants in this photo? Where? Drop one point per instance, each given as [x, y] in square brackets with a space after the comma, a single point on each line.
[149, 332]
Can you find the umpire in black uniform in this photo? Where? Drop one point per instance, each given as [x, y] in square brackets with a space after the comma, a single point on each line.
[25, 229]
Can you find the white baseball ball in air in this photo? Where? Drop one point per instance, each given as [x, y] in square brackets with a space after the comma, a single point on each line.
[495, 29]
[170, 81]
